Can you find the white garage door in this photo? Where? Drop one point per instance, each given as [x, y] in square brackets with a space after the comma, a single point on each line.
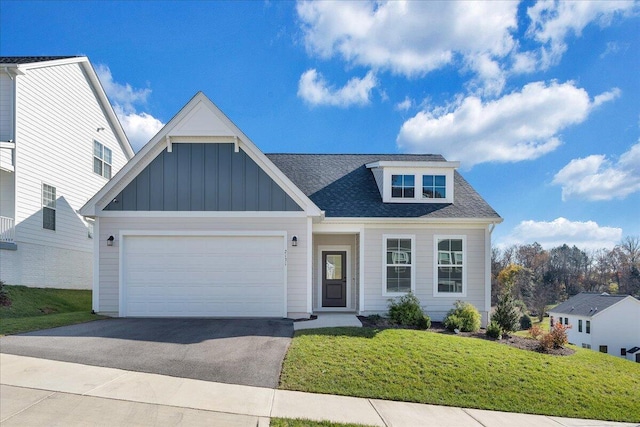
[211, 276]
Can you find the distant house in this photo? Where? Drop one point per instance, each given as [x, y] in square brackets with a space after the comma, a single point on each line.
[202, 223]
[602, 322]
[60, 142]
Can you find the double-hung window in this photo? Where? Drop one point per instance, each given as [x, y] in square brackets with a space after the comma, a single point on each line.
[48, 207]
[434, 186]
[403, 186]
[450, 266]
[101, 160]
[588, 326]
[399, 271]
[579, 325]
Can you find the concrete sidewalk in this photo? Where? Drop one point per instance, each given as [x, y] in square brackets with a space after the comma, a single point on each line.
[46, 392]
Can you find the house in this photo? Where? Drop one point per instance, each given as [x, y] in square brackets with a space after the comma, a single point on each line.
[60, 142]
[202, 223]
[603, 322]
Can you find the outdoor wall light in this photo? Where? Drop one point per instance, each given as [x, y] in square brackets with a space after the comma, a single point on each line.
[110, 241]
[294, 241]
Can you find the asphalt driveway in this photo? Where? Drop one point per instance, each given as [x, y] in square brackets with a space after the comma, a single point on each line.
[233, 351]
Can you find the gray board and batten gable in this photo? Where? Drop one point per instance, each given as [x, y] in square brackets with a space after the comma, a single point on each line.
[587, 304]
[202, 177]
[343, 187]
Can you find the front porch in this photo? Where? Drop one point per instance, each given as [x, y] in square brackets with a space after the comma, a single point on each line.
[336, 273]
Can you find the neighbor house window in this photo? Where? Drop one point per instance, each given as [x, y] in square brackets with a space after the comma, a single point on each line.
[623, 352]
[586, 345]
[48, 207]
[434, 186]
[580, 325]
[588, 326]
[101, 160]
[604, 349]
[450, 266]
[398, 260]
[403, 186]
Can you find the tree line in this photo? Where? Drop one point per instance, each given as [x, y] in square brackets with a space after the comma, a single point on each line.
[539, 277]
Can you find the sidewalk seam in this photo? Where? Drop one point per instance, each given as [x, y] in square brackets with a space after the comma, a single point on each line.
[30, 406]
[377, 412]
[472, 417]
[86, 393]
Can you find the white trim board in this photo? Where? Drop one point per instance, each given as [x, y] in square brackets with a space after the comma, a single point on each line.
[336, 248]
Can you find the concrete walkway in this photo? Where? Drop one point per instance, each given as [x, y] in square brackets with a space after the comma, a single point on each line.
[47, 392]
[328, 320]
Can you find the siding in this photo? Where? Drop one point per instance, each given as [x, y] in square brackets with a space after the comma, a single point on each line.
[203, 177]
[57, 120]
[296, 257]
[436, 307]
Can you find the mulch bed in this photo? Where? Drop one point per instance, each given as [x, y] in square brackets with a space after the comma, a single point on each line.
[437, 327]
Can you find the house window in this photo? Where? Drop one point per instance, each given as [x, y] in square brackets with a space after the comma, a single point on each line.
[403, 186]
[588, 326]
[623, 352]
[580, 325]
[587, 346]
[101, 160]
[566, 321]
[48, 207]
[604, 349]
[398, 260]
[434, 186]
[450, 266]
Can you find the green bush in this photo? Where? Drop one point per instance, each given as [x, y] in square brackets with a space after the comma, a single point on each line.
[507, 314]
[5, 299]
[525, 322]
[464, 316]
[494, 330]
[406, 311]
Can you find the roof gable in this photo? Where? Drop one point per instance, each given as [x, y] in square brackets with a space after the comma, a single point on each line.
[589, 304]
[198, 122]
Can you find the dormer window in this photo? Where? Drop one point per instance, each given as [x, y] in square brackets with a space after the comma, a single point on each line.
[415, 181]
[403, 186]
[434, 186]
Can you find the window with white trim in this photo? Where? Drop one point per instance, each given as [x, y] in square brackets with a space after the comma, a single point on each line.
[48, 207]
[450, 274]
[101, 160]
[434, 187]
[403, 186]
[399, 272]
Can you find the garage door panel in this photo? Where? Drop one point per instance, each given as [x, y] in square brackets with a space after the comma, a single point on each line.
[204, 276]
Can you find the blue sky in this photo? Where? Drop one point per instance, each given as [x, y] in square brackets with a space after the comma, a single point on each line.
[537, 100]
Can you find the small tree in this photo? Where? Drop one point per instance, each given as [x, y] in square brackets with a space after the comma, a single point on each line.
[5, 299]
[507, 315]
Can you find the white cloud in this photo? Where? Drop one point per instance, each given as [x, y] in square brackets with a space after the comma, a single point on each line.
[404, 105]
[584, 235]
[140, 127]
[409, 38]
[553, 21]
[518, 126]
[315, 90]
[597, 178]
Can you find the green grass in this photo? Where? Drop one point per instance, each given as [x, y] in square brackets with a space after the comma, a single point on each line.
[298, 422]
[42, 308]
[427, 367]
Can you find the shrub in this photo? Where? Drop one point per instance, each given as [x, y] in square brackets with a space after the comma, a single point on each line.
[556, 338]
[525, 322]
[463, 316]
[535, 331]
[507, 314]
[493, 330]
[5, 299]
[406, 311]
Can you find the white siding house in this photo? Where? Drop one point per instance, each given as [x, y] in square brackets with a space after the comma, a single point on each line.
[202, 223]
[60, 142]
[601, 322]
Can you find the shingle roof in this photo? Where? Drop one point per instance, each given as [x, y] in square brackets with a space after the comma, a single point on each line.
[587, 304]
[342, 186]
[30, 59]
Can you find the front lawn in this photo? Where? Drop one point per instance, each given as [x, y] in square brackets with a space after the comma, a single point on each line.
[297, 422]
[427, 367]
[42, 308]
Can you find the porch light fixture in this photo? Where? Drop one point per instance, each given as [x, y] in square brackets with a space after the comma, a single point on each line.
[110, 241]
[294, 241]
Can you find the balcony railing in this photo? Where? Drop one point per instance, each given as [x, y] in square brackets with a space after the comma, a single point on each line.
[7, 230]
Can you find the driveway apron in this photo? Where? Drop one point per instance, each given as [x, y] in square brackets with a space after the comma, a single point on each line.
[233, 351]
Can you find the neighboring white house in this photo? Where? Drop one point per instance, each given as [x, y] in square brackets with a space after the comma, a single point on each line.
[60, 142]
[202, 223]
[602, 322]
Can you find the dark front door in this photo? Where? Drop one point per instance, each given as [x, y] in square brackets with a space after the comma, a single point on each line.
[334, 279]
